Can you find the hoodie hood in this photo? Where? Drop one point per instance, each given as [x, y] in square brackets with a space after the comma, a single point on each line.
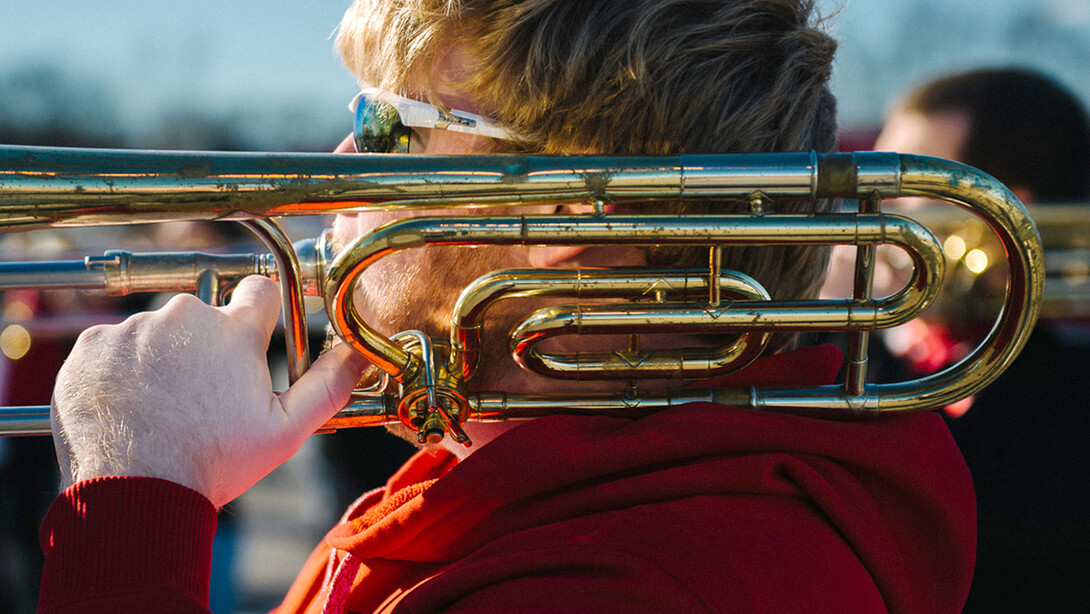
[895, 489]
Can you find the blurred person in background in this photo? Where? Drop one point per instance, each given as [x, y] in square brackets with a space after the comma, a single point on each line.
[1025, 436]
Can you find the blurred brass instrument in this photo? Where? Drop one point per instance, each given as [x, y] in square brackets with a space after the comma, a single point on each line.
[45, 188]
[973, 254]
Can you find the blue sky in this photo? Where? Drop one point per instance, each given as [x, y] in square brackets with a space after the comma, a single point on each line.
[888, 45]
[271, 62]
[272, 56]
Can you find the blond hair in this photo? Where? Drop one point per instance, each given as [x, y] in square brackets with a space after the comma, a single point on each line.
[629, 77]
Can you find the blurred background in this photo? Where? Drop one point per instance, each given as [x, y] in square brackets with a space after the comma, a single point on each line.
[227, 75]
[199, 74]
[263, 76]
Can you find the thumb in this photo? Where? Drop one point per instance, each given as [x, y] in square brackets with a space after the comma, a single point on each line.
[324, 389]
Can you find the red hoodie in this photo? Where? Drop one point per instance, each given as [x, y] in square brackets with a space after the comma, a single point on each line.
[696, 508]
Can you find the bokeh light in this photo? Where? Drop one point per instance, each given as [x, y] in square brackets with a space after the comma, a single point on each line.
[976, 261]
[15, 341]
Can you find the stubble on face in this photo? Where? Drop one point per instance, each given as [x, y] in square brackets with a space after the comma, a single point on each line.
[417, 289]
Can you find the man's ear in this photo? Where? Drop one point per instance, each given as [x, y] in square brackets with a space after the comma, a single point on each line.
[554, 256]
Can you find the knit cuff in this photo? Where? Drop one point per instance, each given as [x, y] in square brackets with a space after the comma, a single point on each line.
[109, 539]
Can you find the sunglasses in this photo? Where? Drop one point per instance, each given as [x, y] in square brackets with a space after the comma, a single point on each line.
[384, 122]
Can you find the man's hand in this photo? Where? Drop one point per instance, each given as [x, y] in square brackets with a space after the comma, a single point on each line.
[184, 394]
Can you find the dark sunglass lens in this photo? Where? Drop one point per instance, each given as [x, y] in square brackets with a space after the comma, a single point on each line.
[378, 128]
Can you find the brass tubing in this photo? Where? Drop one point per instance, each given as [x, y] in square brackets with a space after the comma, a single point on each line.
[715, 273]
[1060, 225]
[350, 264]
[632, 284]
[209, 288]
[121, 273]
[45, 187]
[25, 420]
[381, 410]
[855, 377]
[291, 294]
[1065, 234]
[684, 363]
[46, 275]
[1008, 218]
[42, 187]
[490, 406]
[739, 316]
[127, 273]
[378, 410]
[497, 406]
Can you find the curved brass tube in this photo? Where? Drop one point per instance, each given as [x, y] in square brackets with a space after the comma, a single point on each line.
[1007, 217]
[632, 284]
[43, 187]
[291, 293]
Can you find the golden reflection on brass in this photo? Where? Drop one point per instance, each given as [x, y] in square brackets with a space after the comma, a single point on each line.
[45, 188]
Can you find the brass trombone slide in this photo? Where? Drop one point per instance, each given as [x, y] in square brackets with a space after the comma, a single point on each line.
[42, 187]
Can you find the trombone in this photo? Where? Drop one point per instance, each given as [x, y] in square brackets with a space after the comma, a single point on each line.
[45, 187]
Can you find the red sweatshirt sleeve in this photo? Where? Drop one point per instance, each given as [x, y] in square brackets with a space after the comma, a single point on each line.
[127, 544]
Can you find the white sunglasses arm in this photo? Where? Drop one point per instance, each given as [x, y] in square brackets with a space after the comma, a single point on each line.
[417, 114]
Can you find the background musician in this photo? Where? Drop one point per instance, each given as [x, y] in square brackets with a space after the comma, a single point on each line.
[1023, 436]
